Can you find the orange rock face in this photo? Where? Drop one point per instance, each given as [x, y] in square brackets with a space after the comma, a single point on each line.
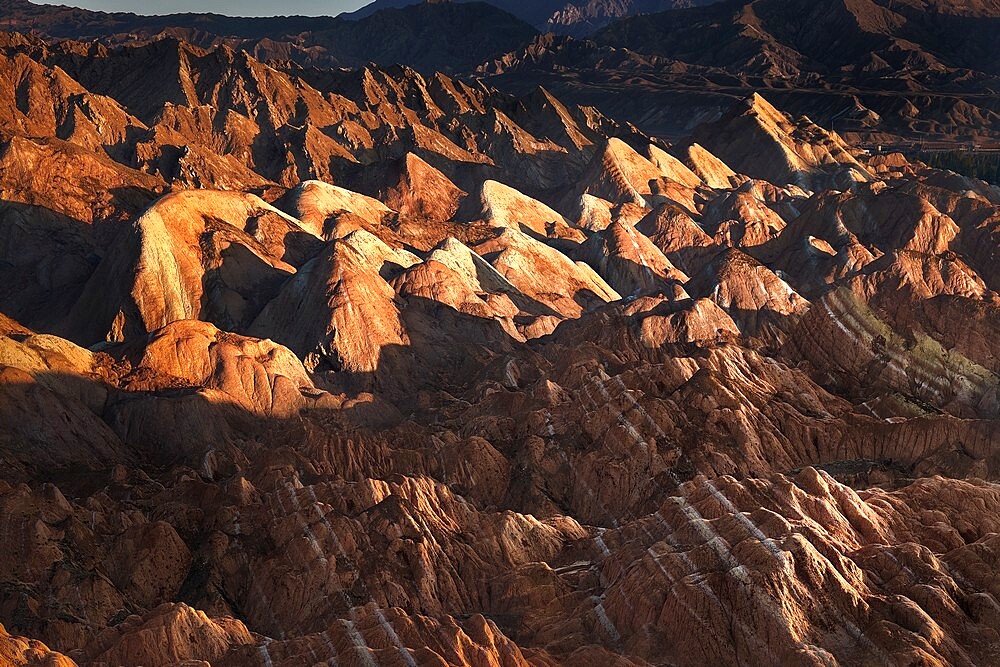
[304, 367]
[19, 651]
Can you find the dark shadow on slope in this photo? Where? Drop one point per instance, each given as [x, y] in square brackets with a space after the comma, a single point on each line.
[447, 350]
[45, 259]
[234, 293]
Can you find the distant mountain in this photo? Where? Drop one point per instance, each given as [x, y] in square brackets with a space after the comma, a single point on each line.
[534, 12]
[76, 23]
[428, 36]
[585, 16]
[571, 17]
[821, 37]
[876, 68]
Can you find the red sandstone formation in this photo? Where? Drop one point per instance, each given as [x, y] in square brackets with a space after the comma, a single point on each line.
[372, 368]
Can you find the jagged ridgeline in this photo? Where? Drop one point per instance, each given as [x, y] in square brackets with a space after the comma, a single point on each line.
[880, 71]
[374, 367]
[458, 29]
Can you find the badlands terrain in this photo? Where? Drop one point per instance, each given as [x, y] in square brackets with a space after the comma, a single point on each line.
[877, 71]
[313, 366]
[880, 72]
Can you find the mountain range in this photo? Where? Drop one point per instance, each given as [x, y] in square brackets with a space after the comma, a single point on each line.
[374, 364]
[880, 71]
[432, 36]
[560, 16]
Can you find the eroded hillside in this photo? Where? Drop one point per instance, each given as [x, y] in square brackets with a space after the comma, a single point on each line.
[376, 368]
